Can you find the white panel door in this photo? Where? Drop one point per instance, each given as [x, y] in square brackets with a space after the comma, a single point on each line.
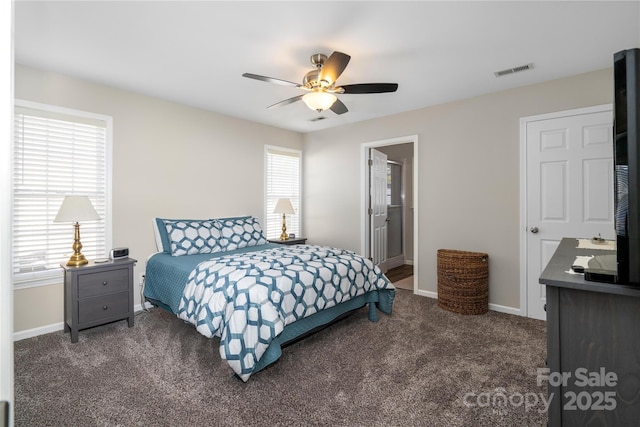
[569, 189]
[378, 207]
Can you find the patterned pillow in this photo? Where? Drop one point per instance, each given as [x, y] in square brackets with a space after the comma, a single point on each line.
[190, 237]
[240, 232]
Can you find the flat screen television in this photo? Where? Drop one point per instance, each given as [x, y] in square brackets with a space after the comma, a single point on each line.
[626, 67]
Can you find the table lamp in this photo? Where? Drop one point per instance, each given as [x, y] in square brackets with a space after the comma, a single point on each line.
[74, 209]
[284, 207]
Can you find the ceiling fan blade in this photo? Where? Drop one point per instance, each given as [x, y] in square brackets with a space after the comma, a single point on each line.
[334, 66]
[370, 88]
[338, 107]
[271, 80]
[285, 102]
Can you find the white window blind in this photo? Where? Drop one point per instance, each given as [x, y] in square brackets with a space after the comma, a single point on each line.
[282, 180]
[56, 154]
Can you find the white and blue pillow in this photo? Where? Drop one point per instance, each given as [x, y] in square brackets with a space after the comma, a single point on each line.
[240, 232]
[189, 237]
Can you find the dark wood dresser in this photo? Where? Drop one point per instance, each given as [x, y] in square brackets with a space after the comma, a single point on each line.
[593, 345]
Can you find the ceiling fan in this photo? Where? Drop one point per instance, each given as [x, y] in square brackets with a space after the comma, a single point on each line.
[321, 87]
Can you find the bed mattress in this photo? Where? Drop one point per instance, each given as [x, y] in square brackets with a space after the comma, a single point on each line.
[256, 298]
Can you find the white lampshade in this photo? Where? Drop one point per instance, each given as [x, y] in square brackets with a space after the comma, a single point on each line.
[284, 206]
[318, 100]
[76, 208]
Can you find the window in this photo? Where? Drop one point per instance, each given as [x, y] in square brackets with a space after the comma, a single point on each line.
[57, 152]
[282, 170]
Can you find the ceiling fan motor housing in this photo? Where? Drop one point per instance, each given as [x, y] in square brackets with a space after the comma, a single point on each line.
[310, 79]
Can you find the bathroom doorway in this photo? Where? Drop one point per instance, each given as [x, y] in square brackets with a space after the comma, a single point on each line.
[402, 150]
[399, 214]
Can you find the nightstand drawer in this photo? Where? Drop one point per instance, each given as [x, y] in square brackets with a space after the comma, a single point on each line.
[103, 282]
[92, 309]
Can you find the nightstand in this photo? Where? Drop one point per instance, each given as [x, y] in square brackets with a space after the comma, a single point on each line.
[97, 293]
[296, 241]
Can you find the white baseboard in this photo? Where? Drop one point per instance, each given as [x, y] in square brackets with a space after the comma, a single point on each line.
[505, 309]
[493, 307]
[395, 262]
[55, 327]
[41, 330]
[138, 307]
[428, 294]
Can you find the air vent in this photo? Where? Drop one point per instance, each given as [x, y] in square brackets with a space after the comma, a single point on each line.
[514, 70]
[317, 119]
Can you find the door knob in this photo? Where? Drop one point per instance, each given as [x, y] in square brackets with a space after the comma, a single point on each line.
[534, 230]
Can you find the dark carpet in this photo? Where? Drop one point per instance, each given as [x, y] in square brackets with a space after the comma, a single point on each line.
[421, 366]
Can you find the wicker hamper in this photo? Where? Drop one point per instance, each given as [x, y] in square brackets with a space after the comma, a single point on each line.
[463, 281]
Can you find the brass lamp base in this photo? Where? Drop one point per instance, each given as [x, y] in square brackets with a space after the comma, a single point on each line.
[284, 235]
[77, 259]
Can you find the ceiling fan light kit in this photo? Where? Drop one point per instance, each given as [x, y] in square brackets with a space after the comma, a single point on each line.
[319, 100]
[320, 84]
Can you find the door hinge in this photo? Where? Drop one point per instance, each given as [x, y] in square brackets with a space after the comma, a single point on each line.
[370, 211]
[370, 162]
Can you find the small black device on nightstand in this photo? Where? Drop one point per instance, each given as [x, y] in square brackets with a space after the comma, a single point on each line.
[119, 253]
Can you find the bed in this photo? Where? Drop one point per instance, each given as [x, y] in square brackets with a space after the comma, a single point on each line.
[222, 276]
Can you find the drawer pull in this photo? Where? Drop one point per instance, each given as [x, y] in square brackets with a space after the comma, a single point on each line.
[104, 283]
[104, 307]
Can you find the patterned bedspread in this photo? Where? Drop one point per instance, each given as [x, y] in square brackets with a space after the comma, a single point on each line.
[247, 299]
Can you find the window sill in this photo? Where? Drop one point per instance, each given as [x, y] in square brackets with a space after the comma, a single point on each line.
[35, 282]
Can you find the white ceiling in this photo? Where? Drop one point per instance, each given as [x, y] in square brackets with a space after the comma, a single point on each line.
[194, 53]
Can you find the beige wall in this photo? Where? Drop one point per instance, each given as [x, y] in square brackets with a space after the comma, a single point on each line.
[171, 160]
[469, 170]
[168, 160]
